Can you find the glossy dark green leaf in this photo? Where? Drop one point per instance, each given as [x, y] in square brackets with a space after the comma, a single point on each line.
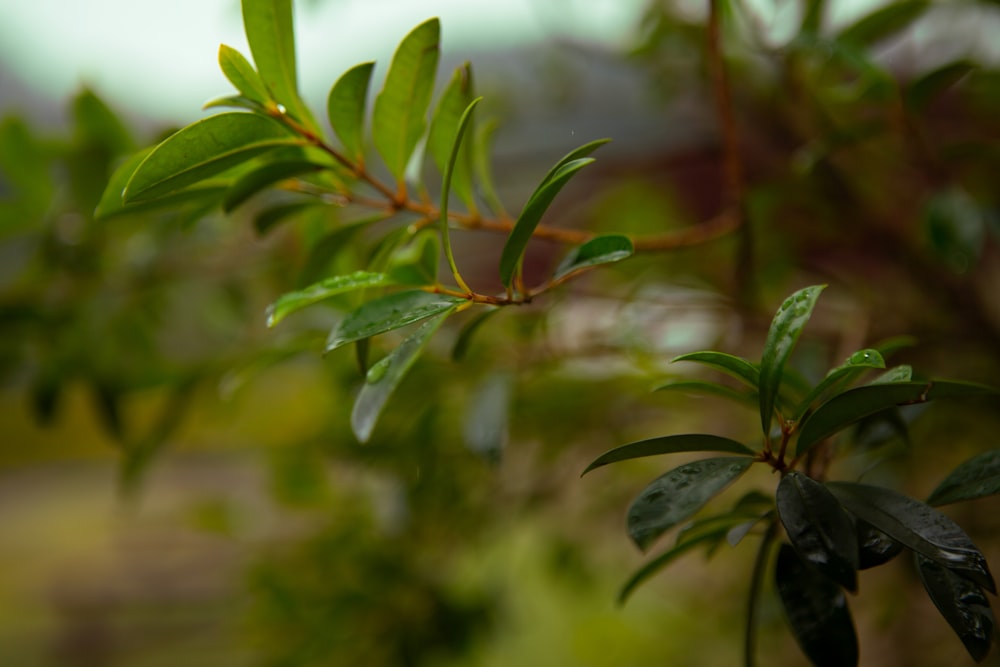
[600, 250]
[389, 312]
[976, 478]
[817, 612]
[263, 177]
[203, 149]
[465, 336]
[922, 90]
[345, 106]
[399, 116]
[962, 603]
[874, 547]
[441, 138]
[669, 444]
[848, 407]
[853, 366]
[737, 367]
[819, 528]
[678, 494]
[883, 23]
[384, 377]
[242, 75]
[325, 289]
[417, 262]
[784, 332]
[711, 388]
[918, 526]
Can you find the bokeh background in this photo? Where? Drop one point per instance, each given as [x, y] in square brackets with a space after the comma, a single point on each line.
[178, 483]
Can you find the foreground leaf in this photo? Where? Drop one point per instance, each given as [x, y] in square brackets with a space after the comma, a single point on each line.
[918, 526]
[253, 182]
[737, 367]
[325, 289]
[701, 387]
[819, 528]
[874, 547]
[962, 603]
[853, 366]
[976, 478]
[680, 493]
[242, 75]
[383, 378]
[345, 107]
[597, 251]
[669, 444]
[203, 149]
[387, 313]
[817, 612]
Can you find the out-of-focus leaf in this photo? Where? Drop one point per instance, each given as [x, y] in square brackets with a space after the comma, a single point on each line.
[206, 193]
[901, 373]
[698, 386]
[345, 106]
[485, 428]
[817, 612]
[271, 217]
[955, 228]
[97, 124]
[669, 444]
[597, 251]
[919, 527]
[874, 547]
[254, 181]
[919, 92]
[853, 366]
[884, 22]
[242, 75]
[389, 312]
[737, 367]
[294, 301]
[203, 149]
[465, 336]
[848, 407]
[678, 494]
[784, 332]
[399, 117]
[416, 263]
[383, 378]
[892, 345]
[441, 137]
[812, 17]
[235, 102]
[819, 528]
[482, 152]
[962, 603]
[976, 478]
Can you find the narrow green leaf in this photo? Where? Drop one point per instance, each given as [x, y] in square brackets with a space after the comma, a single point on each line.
[242, 75]
[669, 444]
[345, 107]
[263, 177]
[531, 215]
[387, 313]
[883, 23]
[597, 251]
[464, 339]
[446, 183]
[417, 262]
[962, 603]
[677, 495]
[922, 90]
[737, 367]
[812, 17]
[399, 117]
[482, 165]
[698, 386]
[918, 526]
[853, 366]
[976, 478]
[664, 559]
[441, 138]
[902, 373]
[202, 149]
[819, 528]
[271, 217]
[291, 302]
[574, 155]
[784, 332]
[719, 525]
[235, 102]
[383, 378]
[848, 407]
[817, 612]
[874, 547]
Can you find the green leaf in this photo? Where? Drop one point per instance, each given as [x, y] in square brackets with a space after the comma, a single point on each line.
[895, 375]
[383, 378]
[446, 183]
[399, 117]
[874, 547]
[387, 313]
[481, 153]
[291, 302]
[698, 386]
[922, 90]
[678, 494]
[976, 478]
[202, 149]
[464, 339]
[784, 332]
[883, 23]
[669, 444]
[918, 526]
[597, 251]
[848, 407]
[345, 106]
[263, 177]
[817, 612]
[441, 138]
[818, 527]
[955, 227]
[417, 262]
[236, 102]
[737, 367]
[485, 426]
[853, 366]
[531, 215]
[962, 603]
[242, 75]
[269, 218]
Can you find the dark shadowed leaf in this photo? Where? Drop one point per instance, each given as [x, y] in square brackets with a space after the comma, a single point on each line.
[597, 251]
[383, 377]
[883, 23]
[242, 75]
[738, 367]
[922, 90]
[918, 526]
[819, 528]
[853, 366]
[678, 494]
[976, 478]
[711, 388]
[345, 106]
[817, 612]
[874, 547]
[469, 330]
[263, 177]
[962, 603]
[387, 313]
[325, 289]
[669, 444]
[271, 217]
[784, 332]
